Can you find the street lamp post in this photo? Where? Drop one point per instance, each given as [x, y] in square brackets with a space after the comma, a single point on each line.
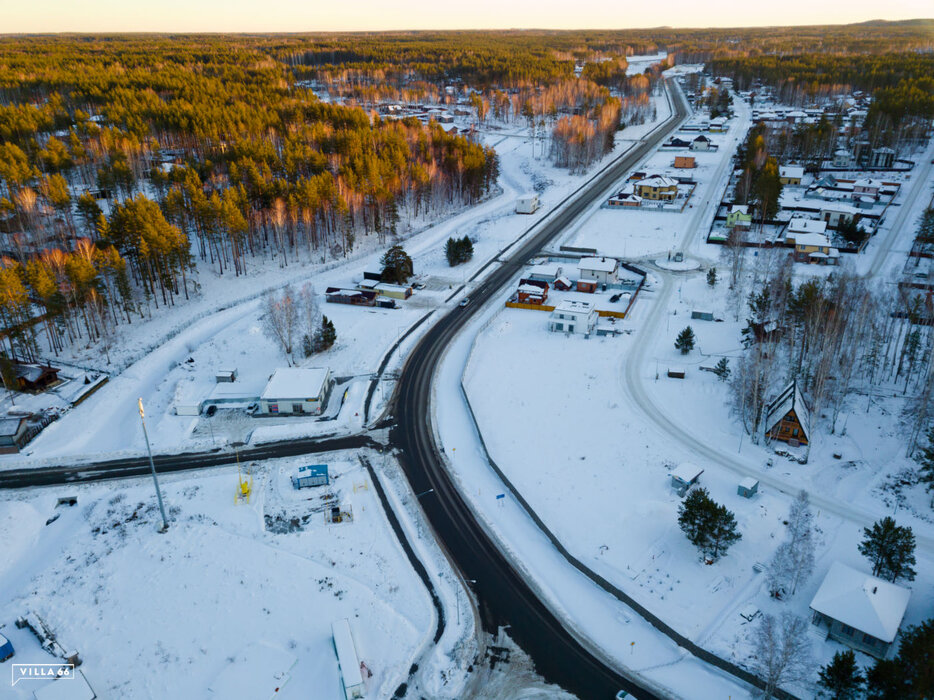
[152, 467]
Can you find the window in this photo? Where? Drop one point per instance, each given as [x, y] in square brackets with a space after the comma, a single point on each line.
[571, 327]
[559, 326]
[273, 408]
[869, 640]
[795, 432]
[296, 408]
[847, 630]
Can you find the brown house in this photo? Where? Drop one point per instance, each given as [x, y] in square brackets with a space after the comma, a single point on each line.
[532, 291]
[787, 417]
[35, 378]
[685, 162]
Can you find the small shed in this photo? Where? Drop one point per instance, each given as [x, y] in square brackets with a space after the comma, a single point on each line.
[310, 475]
[563, 284]
[684, 476]
[587, 286]
[6, 649]
[225, 375]
[676, 372]
[13, 434]
[702, 315]
[527, 204]
[748, 487]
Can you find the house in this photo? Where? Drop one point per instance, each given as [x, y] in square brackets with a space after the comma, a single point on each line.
[624, 199]
[292, 390]
[657, 187]
[685, 162]
[14, 433]
[603, 270]
[701, 143]
[310, 475]
[790, 174]
[6, 649]
[842, 158]
[718, 125]
[354, 297]
[858, 610]
[701, 315]
[837, 214]
[350, 666]
[787, 417]
[684, 476]
[675, 142]
[392, 291]
[882, 158]
[35, 378]
[527, 204]
[586, 286]
[867, 187]
[739, 217]
[815, 248]
[562, 284]
[532, 291]
[799, 225]
[573, 317]
[544, 272]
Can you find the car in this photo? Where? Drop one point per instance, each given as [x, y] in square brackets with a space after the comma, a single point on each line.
[211, 410]
[464, 302]
[615, 298]
[252, 408]
[418, 285]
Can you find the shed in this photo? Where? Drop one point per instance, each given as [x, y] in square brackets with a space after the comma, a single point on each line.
[676, 372]
[393, 291]
[13, 434]
[6, 648]
[310, 475]
[527, 204]
[563, 284]
[702, 315]
[684, 476]
[748, 487]
[588, 286]
[351, 677]
[225, 375]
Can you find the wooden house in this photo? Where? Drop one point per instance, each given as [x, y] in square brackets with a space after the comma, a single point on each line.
[685, 162]
[35, 378]
[787, 417]
[532, 291]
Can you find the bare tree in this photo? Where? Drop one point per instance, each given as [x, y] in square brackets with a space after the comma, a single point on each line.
[793, 561]
[782, 651]
[280, 319]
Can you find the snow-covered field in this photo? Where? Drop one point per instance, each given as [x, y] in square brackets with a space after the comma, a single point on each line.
[204, 603]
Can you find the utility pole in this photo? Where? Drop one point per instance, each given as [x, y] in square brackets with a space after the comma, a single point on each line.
[152, 467]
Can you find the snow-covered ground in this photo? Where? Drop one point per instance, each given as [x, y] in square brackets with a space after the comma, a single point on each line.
[222, 328]
[205, 603]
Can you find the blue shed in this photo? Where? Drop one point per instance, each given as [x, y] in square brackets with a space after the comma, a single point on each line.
[6, 649]
[311, 475]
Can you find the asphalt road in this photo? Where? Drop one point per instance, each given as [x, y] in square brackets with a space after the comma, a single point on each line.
[505, 597]
[139, 466]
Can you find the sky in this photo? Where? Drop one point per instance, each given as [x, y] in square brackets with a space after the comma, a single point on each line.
[372, 15]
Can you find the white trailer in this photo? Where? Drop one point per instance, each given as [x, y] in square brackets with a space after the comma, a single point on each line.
[527, 204]
[351, 675]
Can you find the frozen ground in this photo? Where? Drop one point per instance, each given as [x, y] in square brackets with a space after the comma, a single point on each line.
[226, 584]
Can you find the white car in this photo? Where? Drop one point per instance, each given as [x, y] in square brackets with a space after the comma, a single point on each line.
[464, 302]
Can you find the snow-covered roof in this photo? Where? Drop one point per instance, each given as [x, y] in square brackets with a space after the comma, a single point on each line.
[75, 688]
[658, 181]
[868, 182]
[346, 653]
[839, 209]
[814, 239]
[574, 306]
[864, 602]
[686, 471]
[10, 425]
[295, 383]
[749, 483]
[789, 399]
[598, 264]
[563, 280]
[791, 171]
[801, 225]
[531, 289]
[545, 270]
[739, 209]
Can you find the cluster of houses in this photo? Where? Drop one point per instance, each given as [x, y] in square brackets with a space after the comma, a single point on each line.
[656, 189]
[698, 143]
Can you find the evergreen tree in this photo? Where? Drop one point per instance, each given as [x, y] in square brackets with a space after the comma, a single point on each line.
[8, 373]
[397, 265]
[712, 277]
[926, 473]
[708, 525]
[841, 678]
[890, 548]
[685, 341]
[326, 335]
[458, 250]
[910, 675]
[450, 252]
[722, 369]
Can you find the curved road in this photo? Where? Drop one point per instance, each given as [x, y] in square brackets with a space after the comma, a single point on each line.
[505, 597]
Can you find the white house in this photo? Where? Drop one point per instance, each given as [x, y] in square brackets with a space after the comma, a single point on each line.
[859, 610]
[836, 214]
[799, 225]
[603, 270]
[701, 143]
[293, 390]
[842, 158]
[573, 317]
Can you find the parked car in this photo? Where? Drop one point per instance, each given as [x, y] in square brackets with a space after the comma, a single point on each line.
[210, 411]
[464, 302]
[615, 298]
[252, 408]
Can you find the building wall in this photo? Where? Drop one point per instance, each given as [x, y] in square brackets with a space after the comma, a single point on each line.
[853, 638]
[287, 406]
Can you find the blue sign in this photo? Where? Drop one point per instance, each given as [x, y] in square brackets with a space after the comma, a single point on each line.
[500, 495]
